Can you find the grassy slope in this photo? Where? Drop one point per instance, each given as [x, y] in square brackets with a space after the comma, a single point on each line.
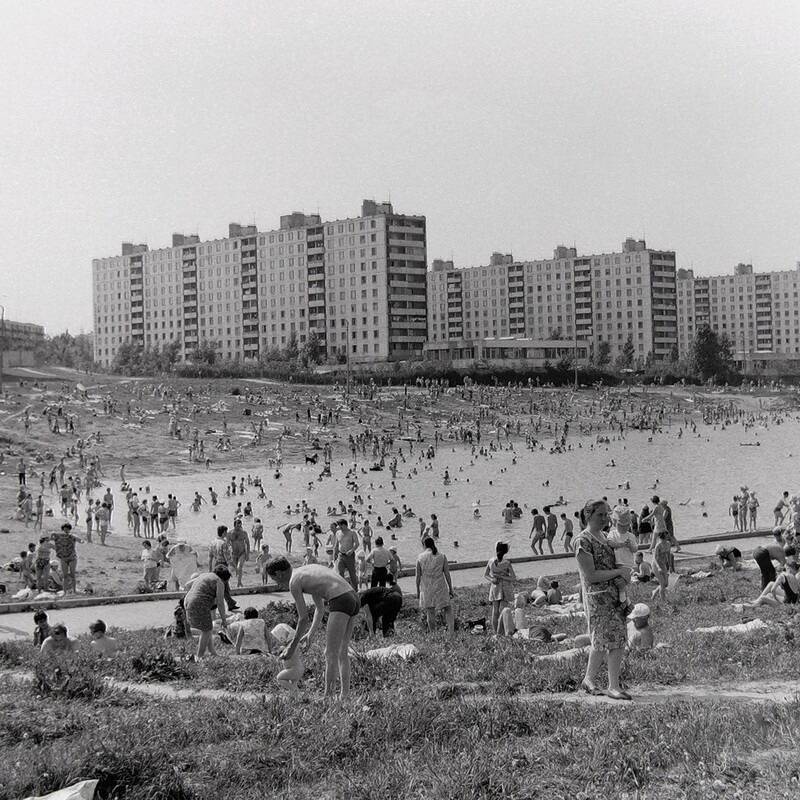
[410, 731]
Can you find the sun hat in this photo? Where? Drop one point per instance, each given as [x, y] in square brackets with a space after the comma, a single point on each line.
[621, 517]
[721, 550]
[640, 610]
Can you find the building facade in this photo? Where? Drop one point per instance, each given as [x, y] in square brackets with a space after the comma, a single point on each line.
[611, 297]
[757, 311]
[508, 350]
[21, 335]
[358, 285]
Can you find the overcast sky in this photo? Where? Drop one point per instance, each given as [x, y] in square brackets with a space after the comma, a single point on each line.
[511, 126]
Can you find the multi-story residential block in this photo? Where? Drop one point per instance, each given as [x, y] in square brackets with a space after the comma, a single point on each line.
[757, 311]
[21, 335]
[609, 297]
[358, 285]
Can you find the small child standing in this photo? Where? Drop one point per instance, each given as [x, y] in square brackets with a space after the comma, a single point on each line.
[257, 534]
[395, 565]
[291, 668]
[261, 563]
[102, 644]
[361, 570]
[623, 541]
[566, 533]
[42, 629]
[150, 564]
[309, 557]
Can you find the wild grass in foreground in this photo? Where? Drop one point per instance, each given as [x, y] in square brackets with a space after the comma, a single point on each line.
[384, 745]
[448, 725]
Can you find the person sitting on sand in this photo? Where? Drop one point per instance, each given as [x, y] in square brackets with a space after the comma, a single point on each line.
[730, 557]
[58, 643]
[642, 571]
[179, 628]
[785, 589]
[102, 644]
[325, 586]
[42, 629]
[250, 635]
[640, 635]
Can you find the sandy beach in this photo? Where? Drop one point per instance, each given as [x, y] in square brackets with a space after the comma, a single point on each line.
[619, 443]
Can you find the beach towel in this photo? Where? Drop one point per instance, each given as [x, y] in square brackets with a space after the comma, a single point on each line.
[184, 565]
[78, 791]
[565, 655]
[742, 627]
[405, 652]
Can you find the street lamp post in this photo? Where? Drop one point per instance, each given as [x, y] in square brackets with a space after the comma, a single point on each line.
[2, 344]
[575, 324]
[347, 326]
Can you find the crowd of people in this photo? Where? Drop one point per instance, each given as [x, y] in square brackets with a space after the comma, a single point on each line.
[358, 549]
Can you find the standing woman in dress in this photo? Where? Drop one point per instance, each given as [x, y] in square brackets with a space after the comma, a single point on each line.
[604, 613]
[500, 574]
[434, 587]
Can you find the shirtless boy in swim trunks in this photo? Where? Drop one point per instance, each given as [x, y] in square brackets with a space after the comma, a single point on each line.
[325, 586]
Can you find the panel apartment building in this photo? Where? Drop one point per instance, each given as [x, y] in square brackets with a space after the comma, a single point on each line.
[357, 283]
[757, 311]
[605, 297]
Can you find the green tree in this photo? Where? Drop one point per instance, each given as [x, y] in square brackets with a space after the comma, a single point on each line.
[564, 364]
[170, 355]
[66, 350]
[628, 353]
[674, 355]
[292, 350]
[205, 353]
[128, 359]
[602, 355]
[313, 350]
[711, 356]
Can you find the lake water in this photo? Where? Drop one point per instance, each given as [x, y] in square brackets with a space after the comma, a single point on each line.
[703, 471]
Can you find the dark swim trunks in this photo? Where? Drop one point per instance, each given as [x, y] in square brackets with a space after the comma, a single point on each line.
[348, 603]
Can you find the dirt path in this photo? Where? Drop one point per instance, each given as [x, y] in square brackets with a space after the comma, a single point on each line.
[749, 692]
[648, 694]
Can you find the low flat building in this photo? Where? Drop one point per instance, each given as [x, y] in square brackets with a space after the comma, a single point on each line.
[21, 335]
[508, 351]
